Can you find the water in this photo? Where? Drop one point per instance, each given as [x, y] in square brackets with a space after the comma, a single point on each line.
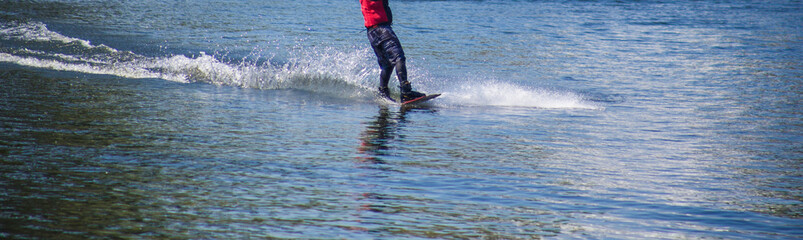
[258, 119]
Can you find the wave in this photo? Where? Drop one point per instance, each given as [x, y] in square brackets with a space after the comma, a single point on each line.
[349, 74]
[318, 70]
[37, 32]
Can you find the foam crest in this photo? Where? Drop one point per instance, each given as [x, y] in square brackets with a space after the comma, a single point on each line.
[203, 68]
[325, 71]
[330, 71]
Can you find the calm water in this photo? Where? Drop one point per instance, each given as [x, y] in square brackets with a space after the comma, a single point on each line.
[257, 119]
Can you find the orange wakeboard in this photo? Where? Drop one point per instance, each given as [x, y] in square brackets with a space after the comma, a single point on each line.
[420, 99]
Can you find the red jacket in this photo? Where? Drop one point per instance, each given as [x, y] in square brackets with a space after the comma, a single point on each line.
[376, 12]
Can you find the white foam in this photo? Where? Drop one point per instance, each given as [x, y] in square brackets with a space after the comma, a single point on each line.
[64, 57]
[37, 31]
[128, 72]
[325, 71]
[493, 93]
[200, 69]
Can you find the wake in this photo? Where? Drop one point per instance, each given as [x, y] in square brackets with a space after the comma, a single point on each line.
[350, 74]
[494, 93]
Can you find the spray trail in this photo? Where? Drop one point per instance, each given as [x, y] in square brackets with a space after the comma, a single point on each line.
[494, 93]
[350, 74]
[317, 70]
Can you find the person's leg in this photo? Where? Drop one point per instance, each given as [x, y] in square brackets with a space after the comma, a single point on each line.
[389, 51]
[385, 66]
[401, 74]
[395, 53]
[376, 37]
[384, 76]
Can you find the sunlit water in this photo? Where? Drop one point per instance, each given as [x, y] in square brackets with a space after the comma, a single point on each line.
[258, 119]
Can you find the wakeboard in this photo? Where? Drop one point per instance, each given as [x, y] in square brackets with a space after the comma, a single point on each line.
[420, 100]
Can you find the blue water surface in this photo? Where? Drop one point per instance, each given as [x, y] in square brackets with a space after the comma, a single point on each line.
[259, 119]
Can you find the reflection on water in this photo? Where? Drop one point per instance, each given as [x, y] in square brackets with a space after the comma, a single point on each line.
[382, 130]
[405, 180]
[378, 134]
